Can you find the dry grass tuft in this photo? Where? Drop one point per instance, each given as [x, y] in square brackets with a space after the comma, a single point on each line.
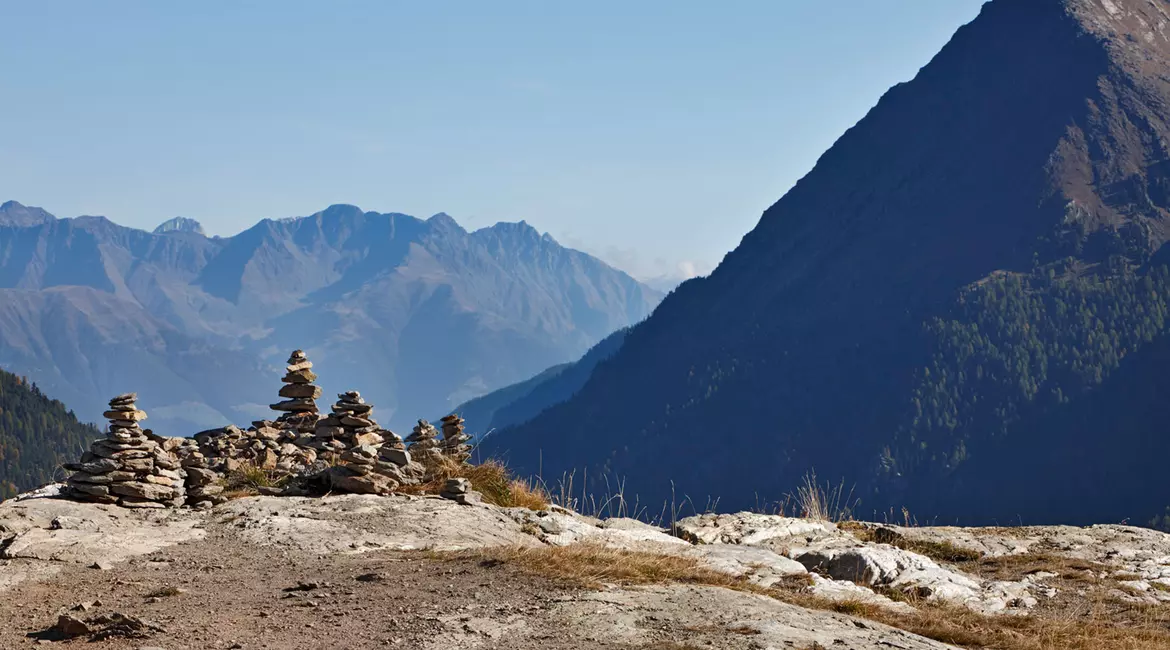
[1016, 567]
[490, 478]
[246, 481]
[824, 502]
[591, 565]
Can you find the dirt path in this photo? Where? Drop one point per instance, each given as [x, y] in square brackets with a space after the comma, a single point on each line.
[217, 593]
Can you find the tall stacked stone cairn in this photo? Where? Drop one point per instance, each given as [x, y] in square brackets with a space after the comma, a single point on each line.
[374, 460]
[454, 444]
[299, 408]
[424, 445]
[130, 466]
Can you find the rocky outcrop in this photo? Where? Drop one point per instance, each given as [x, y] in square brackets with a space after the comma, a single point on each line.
[613, 617]
[42, 535]
[753, 529]
[843, 567]
[40, 530]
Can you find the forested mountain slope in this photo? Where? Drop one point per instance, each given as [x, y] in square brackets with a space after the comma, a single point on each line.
[37, 434]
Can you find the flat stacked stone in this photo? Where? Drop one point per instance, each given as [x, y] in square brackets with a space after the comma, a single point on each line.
[130, 467]
[454, 445]
[424, 446]
[351, 424]
[299, 408]
[204, 485]
[396, 462]
[374, 460]
[459, 490]
[265, 445]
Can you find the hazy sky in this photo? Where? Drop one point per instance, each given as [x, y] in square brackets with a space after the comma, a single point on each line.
[651, 133]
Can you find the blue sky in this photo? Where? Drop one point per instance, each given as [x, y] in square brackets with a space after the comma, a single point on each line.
[652, 134]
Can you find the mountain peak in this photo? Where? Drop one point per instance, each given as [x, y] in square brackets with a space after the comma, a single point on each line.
[179, 224]
[444, 220]
[15, 214]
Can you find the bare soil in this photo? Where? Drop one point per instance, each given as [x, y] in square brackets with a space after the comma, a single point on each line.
[216, 593]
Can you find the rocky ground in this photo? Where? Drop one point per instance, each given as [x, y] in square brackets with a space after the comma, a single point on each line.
[368, 571]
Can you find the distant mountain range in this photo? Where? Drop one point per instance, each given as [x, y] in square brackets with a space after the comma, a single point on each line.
[961, 310]
[419, 315]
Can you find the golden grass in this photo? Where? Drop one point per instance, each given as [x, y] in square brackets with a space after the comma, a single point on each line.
[490, 478]
[1095, 628]
[1015, 567]
[942, 551]
[592, 565]
[1098, 624]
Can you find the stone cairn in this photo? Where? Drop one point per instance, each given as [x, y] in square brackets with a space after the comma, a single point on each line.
[204, 488]
[350, 425]
[454, 445]
[130, 467]
[459, 490]
[374, 460]
[299, 408]
[263, 445]
[424, 447]
[285, 445]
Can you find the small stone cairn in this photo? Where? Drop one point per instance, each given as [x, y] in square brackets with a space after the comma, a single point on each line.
[299, 409]
[424, 447]
[459, 490]
[350, 425]
[454, 445]
[204, 488]
[130, 467]
[374, 460]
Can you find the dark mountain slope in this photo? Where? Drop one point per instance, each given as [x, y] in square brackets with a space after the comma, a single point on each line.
[1034, 141]
[36, 435]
